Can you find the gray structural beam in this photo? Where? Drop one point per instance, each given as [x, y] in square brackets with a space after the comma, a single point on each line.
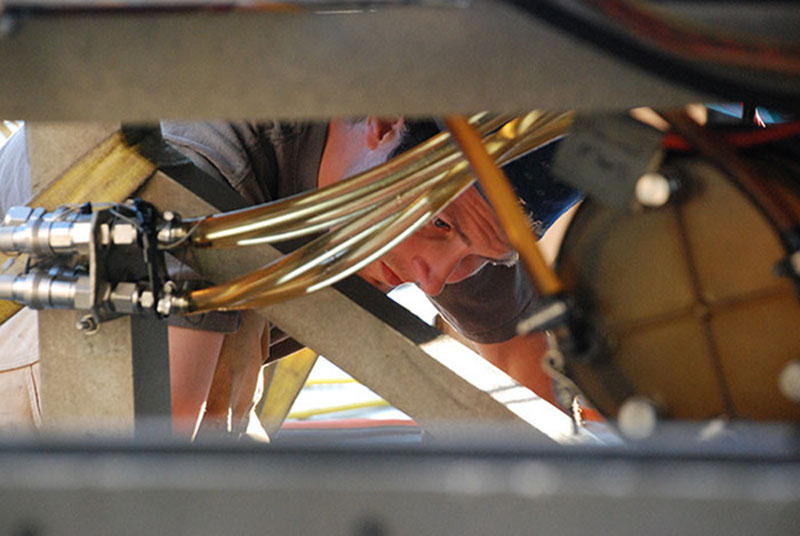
[413, 59]
[97, 383]
[448, 389]
[78, 489]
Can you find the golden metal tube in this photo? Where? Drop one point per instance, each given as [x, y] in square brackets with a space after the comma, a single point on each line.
[357, 243]
[346, 212]
[367, 249]
[215, 228]
[527, 132]
[305, 258]
[506, 205]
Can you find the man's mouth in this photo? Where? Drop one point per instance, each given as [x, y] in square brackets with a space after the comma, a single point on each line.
[392, 278]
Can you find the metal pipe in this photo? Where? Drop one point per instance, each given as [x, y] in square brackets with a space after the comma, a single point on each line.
[527, 132]
[213, 229]
[356, 243]
[299, 263]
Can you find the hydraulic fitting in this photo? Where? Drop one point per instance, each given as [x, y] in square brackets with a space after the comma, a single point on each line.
[63, 232]
[56, 288]
[40, 234]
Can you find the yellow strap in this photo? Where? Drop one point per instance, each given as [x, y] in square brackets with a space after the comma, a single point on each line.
[288, 379]
[110, 172]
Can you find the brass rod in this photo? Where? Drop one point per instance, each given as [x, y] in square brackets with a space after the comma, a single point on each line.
[506, 205]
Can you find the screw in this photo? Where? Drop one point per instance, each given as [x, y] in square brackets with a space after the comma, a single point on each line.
[653, 190]
[87, 324]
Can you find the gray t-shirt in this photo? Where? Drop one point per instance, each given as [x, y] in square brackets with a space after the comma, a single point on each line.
[268, 161]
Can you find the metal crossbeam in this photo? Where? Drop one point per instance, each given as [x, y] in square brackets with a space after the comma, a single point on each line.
[414, 59]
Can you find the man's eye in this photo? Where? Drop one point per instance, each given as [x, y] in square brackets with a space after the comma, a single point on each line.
[439, 223]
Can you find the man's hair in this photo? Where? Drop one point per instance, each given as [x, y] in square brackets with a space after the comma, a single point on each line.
[414, 133]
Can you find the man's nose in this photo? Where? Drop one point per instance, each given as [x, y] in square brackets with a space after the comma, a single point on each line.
[432, 271]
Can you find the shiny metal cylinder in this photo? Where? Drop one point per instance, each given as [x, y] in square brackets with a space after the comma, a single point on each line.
[44, 290]
[44, 235]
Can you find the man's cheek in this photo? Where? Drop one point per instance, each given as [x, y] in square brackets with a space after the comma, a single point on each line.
[466, 268]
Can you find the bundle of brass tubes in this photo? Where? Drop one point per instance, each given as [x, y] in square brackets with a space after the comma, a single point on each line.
[339, 253]
[310, 212]
[381, 223]
[315, 211]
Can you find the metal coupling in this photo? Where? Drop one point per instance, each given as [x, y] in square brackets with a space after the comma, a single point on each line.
[171, 302]
[56, 288]
[126, 298]
[41, 234]
[173, 229]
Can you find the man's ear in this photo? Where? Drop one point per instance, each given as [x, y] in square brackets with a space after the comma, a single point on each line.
[381, 130]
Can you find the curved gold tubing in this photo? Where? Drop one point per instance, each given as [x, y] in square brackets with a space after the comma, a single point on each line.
[355, 252]
[292, 275]
[315, 254]
[350, 208]
[528, 132]
[212, 230]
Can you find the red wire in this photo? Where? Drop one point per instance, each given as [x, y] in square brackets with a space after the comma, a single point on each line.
[750, 138]
[694, 45]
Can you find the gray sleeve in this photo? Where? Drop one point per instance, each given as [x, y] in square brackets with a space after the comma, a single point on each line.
[487, 307]
[15, 172]
[234, 153]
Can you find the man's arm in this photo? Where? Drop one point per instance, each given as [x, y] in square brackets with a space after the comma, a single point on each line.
[521, 358]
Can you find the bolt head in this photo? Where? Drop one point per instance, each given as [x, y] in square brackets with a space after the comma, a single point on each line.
[653, 190]
[87, 324]
[789, 380]
[146, 299]
[123, 234]
[637, 418]
[164, 306]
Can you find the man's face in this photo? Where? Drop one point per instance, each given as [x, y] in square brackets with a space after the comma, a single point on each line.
[462, 239]
[455, 245]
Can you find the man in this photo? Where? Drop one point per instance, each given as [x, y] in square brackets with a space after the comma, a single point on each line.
[461, 259]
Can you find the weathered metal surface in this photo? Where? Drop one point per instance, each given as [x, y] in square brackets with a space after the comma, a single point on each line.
[87, 380]
[402, 59]
[509, 489]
